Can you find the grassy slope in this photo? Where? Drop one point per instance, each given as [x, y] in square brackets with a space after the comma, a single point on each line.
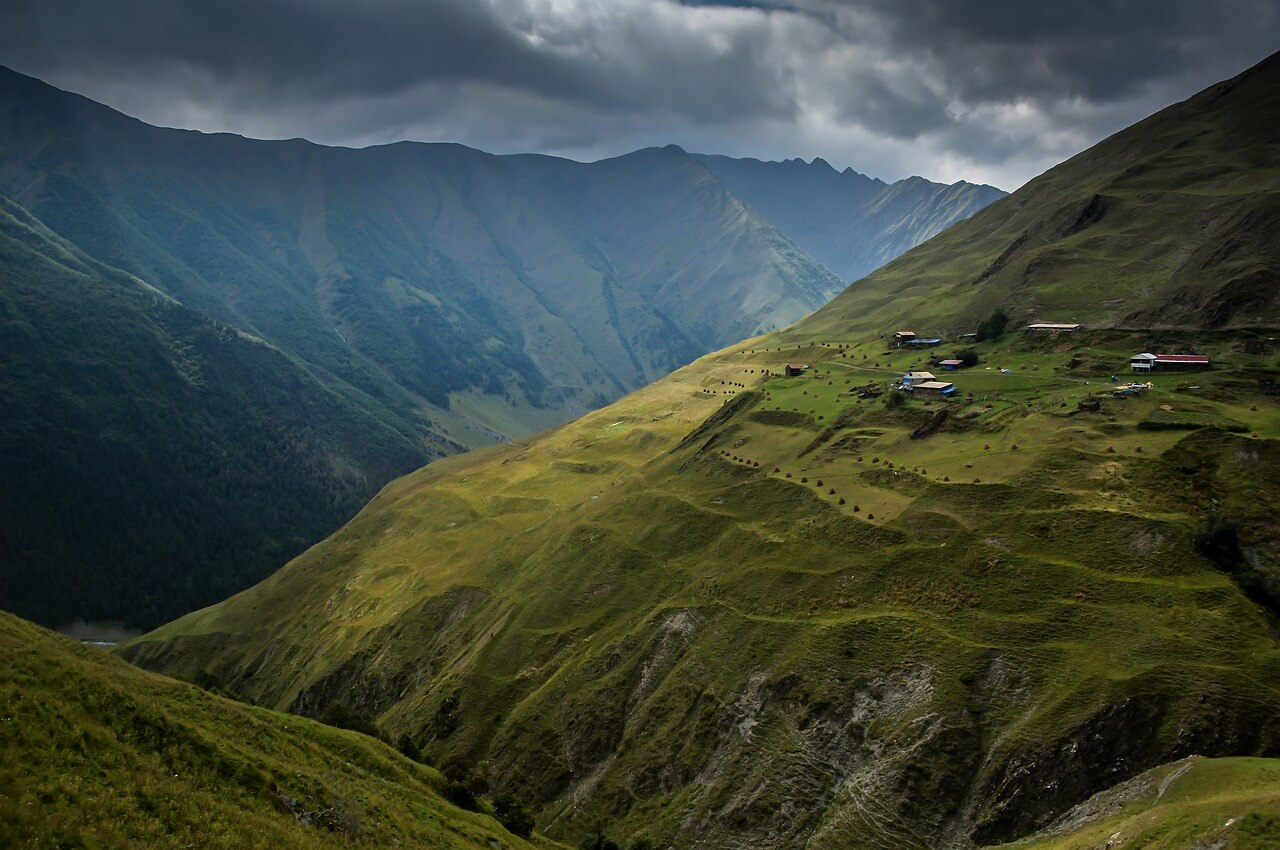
[96, 753]
[683, 641]
[1170, 223]
[1232, 804]
[661, 615]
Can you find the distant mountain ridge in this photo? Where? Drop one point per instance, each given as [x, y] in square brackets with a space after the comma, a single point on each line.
[450, 296]
[582, 280]
[851, 223]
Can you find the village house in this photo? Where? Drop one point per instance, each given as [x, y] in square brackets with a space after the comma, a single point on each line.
[1147, 362]
[951, 364]
[932, 389]
[912, 378]
[901, 338]
[795, 370]
[1054, 327]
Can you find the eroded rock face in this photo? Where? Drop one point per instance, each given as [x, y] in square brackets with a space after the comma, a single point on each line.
[798, 772]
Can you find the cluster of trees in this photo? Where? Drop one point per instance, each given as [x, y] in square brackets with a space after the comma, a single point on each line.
[467, 787]
[994, 325]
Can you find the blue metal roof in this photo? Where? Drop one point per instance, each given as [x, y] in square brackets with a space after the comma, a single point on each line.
[923, 341]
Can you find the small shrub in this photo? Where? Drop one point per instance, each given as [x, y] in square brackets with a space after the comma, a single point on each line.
[514, 816]
[408, 748]
[339, 715]
[1218, 540]
[472, 779]
[205, 680]
[599, 841]
[461, 796]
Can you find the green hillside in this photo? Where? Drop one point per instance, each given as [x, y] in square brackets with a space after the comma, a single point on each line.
[1170, 223]
[98, 754]
[154, 459]
[414, 300]
[849, 222]
[741, 609]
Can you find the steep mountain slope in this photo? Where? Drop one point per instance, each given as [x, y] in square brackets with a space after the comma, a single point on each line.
[154, 459]
[518, 290]
[1170, 223]
[512, 291]
[847, 221]
[739, 609]
[99, 754]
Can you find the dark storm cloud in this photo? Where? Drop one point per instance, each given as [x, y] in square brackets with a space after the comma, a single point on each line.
[1095, 50]
[994, 90]
[263, 52]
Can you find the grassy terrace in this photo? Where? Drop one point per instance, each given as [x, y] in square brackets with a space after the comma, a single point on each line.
[1012, 420]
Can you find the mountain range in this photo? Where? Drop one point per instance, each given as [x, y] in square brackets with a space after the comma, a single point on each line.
[772, 601]
[851, 223]
[289, 326]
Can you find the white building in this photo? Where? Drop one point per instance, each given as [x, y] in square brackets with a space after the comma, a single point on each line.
[1142, 362]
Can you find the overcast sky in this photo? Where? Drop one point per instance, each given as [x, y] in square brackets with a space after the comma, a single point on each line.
[991, 91]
